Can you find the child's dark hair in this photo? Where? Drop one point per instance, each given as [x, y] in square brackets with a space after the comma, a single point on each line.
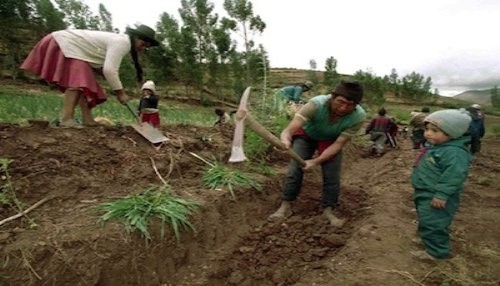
[219, 111]
[382, 111]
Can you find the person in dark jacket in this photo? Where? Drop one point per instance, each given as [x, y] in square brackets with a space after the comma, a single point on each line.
[438, 179]
[476, 128]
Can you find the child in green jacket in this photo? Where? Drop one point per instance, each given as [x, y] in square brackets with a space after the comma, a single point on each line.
[438, 180]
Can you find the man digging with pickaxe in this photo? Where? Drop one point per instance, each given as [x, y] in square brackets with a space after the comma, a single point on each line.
[325, 124]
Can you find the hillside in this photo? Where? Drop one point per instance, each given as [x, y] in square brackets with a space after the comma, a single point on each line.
[475, 96]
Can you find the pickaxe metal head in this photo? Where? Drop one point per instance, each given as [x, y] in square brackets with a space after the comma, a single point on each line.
[237, 154]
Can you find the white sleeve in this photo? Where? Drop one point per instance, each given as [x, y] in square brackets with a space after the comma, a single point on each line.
[115, 52]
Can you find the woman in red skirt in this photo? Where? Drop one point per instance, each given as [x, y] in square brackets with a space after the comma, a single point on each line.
[71, 58]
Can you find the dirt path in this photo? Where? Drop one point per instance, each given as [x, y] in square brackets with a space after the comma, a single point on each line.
[233, 243]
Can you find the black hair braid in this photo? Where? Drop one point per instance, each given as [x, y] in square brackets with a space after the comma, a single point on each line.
[135, 59]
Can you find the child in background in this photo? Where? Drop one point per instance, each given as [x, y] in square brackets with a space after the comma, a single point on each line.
[223, 117]
[148, 106]
[438, 180]
[417, 124]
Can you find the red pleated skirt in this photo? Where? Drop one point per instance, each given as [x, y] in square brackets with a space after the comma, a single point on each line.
[47, 60]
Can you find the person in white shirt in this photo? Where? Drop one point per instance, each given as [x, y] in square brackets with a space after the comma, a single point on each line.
[71, 59]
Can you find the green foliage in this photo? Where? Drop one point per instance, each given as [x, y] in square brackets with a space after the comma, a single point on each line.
[78, 15]
[218, 176]
[254, 146]
[17, 106]
[393, 82]
[244, 20]
[137, 211]
[402, 116]
[330, 76]
[493, 130]
[415, 87]
[51, 18]
[105, 19]
[373, 86]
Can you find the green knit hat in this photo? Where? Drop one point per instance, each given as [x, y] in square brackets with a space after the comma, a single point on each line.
[453, 122]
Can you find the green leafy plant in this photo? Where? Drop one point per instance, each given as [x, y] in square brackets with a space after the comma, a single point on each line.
[136, 211]
[220, 176]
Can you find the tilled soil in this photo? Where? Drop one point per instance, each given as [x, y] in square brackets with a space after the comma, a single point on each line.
[234, 244]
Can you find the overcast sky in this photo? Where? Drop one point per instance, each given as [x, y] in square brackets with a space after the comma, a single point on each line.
[455, 42]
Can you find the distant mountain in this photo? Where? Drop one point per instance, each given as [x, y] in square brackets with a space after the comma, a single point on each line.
[476, 96]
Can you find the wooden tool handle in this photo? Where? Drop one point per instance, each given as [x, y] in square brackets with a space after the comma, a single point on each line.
[271, 138]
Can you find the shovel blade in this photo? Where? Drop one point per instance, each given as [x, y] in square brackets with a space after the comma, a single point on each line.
[147, 131]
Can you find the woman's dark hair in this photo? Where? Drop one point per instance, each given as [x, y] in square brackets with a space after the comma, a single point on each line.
[135, 58]
[350, 89]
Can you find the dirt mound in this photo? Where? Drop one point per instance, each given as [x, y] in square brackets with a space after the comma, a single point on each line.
[77, 169]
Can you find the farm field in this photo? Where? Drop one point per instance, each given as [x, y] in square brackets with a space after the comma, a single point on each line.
[76, 170]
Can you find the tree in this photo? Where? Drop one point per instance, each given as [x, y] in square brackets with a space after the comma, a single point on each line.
[242, 12]
[495, 97]
[105, 19]
[78, 15]
[312, 71]
[199, 21]
[414, 86]
[394, 82]
[373, 85]
[330, 76]
[21, 28]
[51, 18]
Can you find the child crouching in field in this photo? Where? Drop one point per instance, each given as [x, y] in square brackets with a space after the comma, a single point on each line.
[148, 106]
[438, 180]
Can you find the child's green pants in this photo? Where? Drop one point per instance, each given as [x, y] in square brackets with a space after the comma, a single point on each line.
[434, 224]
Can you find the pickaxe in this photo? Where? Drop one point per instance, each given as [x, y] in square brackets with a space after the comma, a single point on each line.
[242, 118]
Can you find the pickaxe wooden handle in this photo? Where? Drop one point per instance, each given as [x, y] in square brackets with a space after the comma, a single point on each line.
[271, 138]
[243, 118]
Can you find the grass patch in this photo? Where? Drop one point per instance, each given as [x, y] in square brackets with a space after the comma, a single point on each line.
[136, 211]
[218, 176]
[18, 106]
